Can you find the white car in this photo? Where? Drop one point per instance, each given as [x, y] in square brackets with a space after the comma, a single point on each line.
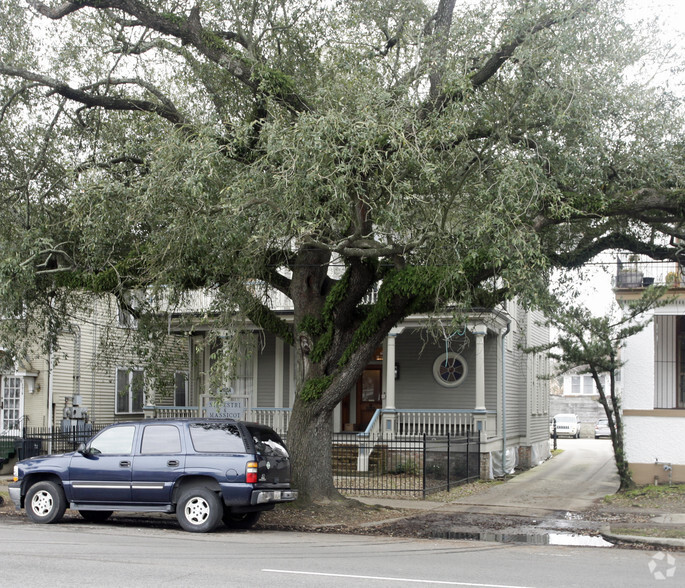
[602, 428]
[566, 424]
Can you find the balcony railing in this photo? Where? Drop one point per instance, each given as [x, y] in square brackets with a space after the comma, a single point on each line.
[642, 273]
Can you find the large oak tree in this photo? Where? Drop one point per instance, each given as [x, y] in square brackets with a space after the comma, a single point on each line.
[444, 152]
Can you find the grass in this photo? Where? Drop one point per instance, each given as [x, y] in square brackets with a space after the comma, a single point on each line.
[650, 496]
[650, 532]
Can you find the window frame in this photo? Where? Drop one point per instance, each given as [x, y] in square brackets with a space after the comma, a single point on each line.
[451, 355]
[129, 393]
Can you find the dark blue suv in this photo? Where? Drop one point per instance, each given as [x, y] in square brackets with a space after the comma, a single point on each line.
[204, 470]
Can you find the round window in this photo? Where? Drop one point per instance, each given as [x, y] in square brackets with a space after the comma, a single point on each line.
[449, 370]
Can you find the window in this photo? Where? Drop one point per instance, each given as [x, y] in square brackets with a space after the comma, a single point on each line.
[161, 439]
[10, 404]
[130, 390]
[585, 385]
[216, 438]
[576, 387]
[180, 389]
[239, 379]
[449, 369]
[267, 442]
[114, 441]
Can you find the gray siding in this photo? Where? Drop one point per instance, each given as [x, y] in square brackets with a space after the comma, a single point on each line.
[266, 371]
[417, 388]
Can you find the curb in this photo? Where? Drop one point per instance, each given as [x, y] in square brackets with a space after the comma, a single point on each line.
[641, 540]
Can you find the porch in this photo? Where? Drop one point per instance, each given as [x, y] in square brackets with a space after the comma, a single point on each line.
[392, 423]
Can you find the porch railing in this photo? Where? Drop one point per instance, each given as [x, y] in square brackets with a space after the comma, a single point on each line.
[404, 423]
[276, 418]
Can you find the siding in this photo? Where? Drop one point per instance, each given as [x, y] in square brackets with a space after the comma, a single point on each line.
[266, 371]
[86, 362]
[417, 388]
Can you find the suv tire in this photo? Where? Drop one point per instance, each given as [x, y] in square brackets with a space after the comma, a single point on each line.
[199, 510]
[45, 502]
[240, 520]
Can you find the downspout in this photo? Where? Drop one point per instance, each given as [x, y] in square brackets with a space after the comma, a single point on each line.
[51, 370]
[93, 362]
[504, 398]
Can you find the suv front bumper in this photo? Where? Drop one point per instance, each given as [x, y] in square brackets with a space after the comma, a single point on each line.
[268, 496]
[15, 494]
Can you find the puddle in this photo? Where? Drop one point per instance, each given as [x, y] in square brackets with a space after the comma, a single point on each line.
[574, 539]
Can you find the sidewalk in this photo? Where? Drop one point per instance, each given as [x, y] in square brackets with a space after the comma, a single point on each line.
[486, 511]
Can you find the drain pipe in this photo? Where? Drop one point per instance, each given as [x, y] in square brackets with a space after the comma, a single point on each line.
[504, 397]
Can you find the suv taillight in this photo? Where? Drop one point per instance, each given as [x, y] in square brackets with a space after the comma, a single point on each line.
[251, 472]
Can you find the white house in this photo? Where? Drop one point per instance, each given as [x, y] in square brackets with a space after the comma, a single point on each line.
[654, 383]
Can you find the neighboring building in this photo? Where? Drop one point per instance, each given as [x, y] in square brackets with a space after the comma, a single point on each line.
[578, 395]
[94, 378]
[479, 380]
[654, 380]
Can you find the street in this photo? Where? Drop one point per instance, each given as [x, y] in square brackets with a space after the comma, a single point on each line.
[113, 554]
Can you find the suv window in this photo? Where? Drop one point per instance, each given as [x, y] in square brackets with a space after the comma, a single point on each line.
[216, 438]
[114, 441]
[267, 442]
[161, 439]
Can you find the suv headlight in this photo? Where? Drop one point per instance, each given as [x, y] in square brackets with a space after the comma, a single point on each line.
[15, 473]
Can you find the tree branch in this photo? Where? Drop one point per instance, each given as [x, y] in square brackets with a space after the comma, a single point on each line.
[166, 110]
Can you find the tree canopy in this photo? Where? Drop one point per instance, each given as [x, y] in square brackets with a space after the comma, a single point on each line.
[442, 152]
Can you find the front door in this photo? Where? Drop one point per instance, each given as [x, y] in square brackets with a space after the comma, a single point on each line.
[369, 390]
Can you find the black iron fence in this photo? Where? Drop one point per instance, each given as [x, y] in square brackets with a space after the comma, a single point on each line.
[44, 440]
[416, 467]
[380, 465]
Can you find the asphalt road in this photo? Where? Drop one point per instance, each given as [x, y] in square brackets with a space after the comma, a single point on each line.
[80, 553]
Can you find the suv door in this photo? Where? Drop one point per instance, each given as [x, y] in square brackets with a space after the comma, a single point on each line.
[158, 462]
[102, 474]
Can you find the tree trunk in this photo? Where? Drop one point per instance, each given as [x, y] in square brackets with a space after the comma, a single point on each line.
[310, 446]
[615, 419]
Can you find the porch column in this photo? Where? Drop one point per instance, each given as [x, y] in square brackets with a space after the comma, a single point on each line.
[479, 331]
[278, 383]
[388, 423]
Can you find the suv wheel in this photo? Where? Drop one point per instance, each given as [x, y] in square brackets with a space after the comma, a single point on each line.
[45, 502]
[240, 520]
[199, 510]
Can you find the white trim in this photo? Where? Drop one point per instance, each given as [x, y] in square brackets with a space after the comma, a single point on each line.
[278, 374]
[130, 370]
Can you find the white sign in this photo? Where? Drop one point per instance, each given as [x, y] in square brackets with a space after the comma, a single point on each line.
[233, 407]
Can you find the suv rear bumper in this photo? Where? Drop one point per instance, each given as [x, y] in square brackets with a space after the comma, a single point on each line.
[270, 496]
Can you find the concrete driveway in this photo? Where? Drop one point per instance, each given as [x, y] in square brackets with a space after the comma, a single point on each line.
[571, 481]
